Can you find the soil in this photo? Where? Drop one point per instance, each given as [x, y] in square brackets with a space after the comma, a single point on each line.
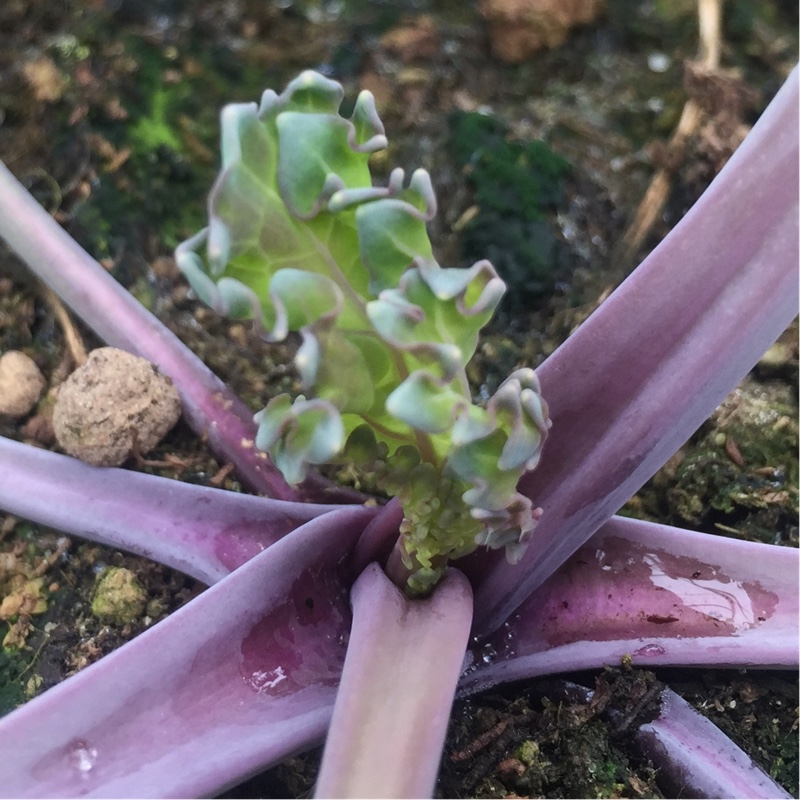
[108, 114]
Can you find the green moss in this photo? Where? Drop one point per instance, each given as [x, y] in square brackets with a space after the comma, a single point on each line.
[549, 746]
[172, 102]
[528, 752]
[518, 186]
[510, 176]
[737, 476]
[744, 469]
[119, 598]
[12, 665]
[155, 129]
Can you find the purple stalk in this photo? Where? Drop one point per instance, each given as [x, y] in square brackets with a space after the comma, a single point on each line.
[201, 531]
[400, 675]
[660, 595]
[652, 363]
[696, 759]
[209, 406]
[242, 676]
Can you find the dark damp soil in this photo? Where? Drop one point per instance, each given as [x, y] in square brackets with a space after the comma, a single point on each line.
[108, 114]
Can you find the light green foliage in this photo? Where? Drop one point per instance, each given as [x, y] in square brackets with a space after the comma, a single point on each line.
[299, 240]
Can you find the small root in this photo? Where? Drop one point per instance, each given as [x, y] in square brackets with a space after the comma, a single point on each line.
[75, 345]
[221, 474]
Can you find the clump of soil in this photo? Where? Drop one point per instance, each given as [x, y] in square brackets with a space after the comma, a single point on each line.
[113, 405]
[520, 28]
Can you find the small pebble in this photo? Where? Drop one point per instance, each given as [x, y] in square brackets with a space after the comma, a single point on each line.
[111, 400]
[659, 62]
[21, 384]
[779, 355]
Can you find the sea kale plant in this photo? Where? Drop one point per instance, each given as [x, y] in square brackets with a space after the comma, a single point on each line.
[300, 240]
[302, 629]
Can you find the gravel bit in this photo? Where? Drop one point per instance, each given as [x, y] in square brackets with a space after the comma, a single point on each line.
[21, 384]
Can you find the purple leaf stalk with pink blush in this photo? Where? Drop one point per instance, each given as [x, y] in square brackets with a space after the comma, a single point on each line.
[246, 674]
[198, 530]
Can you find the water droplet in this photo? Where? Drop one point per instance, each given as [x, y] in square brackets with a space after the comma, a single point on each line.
[83, 756]
[298, 643]
[727, 601]
[488, 654]
[650, 650]
[263, 680]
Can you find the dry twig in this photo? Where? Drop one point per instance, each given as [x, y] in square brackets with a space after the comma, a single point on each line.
[75, 345]
[655, 198]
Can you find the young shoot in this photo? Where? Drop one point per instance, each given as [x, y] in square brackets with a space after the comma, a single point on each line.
[300, 240]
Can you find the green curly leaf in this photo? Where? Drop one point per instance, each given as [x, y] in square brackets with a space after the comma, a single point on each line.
[300, 240]
[299, 433]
